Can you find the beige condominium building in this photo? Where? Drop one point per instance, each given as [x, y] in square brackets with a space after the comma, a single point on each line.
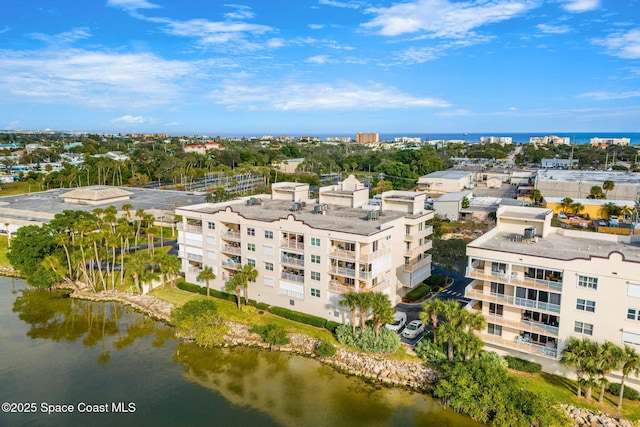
[308, 252]
[538, 285]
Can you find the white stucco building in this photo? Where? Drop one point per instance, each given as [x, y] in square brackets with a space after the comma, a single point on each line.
[308, 252]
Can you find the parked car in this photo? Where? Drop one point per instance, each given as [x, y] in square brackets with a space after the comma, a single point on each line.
[561, 215]
[400, 319]
[413, 329]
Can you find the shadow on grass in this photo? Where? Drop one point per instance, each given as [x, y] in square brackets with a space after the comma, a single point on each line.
[560, 382]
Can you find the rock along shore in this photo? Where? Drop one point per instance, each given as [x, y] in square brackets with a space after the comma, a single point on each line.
[414, 375]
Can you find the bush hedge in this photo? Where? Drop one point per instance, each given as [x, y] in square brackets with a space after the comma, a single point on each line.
[325, 349]
[523, 365]
[629, 393]
[190, 287]
[387, 342]
[331, 326]
[418, 293]
[435, 280]
[298, 316]
[262, 306]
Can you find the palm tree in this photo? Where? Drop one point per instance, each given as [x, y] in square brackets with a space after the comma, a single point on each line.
[566, 204]
[249, 274]
[235, 285]
[607, 186]
[596, 192]
[630, 365]
[364, 304]
[350, 299]
[577, 208]
[382, 311]
[535, 196]
[431, 310]
[207, 275]
[608, 360]
[580, 354]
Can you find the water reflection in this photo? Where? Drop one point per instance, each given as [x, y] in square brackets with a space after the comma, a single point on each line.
[53, 315]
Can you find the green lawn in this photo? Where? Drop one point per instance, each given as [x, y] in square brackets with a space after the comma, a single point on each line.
[562, 390]
[17, 187]
[3, 251]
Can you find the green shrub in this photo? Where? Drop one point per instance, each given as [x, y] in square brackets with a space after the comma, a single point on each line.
[298, 316]
[198, 320]
[190, 287]
[435, 280]
[430, 352]
[331, 326]
[262, 306]
[271, 333]
[325, 349]
[418, 293]
[629, 393]
[523, 365]
[253, 302]
[387, 342]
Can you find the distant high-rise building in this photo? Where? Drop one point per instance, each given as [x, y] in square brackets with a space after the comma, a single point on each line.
[502, 140]
[598, 142]
[366, 138]
[544, 140]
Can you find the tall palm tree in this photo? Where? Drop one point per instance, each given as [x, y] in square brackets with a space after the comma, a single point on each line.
[235, 284]
[249, 274]
[577, 208]
[364, 304]
[566, 204]
[432, 310]
[580, 354]
[607, 186]
[350, 299]
[609, 359]
[207, 275]
[381, 310]
[630, 365]
[535, 196]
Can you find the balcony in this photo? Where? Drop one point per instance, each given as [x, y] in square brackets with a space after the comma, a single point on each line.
[418, 249]
[418, 265]
[194, 270]
[342, 253]
[231, 235]
[299, 262]
[539, 305]
[192, 257]
[479, 295]
[520, 344]
[190, 227]
[231, 265]
[522, 325]
[379, 287]
[515, 278]
[336, 286]
[292, 244]
[371, 256]
[365, 275]
[232, 250]
[292, 277]
[342, 271]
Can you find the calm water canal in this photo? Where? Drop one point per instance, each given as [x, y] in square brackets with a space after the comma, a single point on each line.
[106, 357]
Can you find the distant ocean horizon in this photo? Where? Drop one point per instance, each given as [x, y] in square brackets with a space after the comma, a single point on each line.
[518, 137]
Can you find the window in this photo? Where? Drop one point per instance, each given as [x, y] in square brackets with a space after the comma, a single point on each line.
[496, 309]
[268, 266]
[292, 302]
[583, 328]
[494, 329]
[633, 314]
[251, 231]
[349, 281]
[315, 293]
[315, 275]
[211, 225]
[588, 282]
[586, 305]
[497, 288]
[251, 262]
[389, 237]
[268, 281]
[251, 247]
[315, 241]
[375, 246]
[268, 234]
[315, 259]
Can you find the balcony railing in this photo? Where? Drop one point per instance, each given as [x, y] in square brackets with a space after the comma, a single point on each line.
[539, 305]
[477, 294]
[520, 345]
[371, 256]
[342, 253]
[193, 270]
[521, 325]
[292, 261]
[232, 265]
[293, 277]
[189, 227]
[235, 235]
[423, 263]
[292, 244]
[341, 271]
[232, 249]
[366, 275]
[336, 286]
[514, 278]
[293, 294]
[192, 257]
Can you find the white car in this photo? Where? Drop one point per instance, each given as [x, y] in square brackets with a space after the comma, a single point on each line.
[413, 329]
[399, 319]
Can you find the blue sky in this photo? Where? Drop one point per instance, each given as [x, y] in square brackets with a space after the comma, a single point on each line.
[320, 66]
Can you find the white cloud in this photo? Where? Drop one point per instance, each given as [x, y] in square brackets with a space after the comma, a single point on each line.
[316, 26]
[443, 18]
[133, 119]
[342, 4]
[240, 12]
[100, 80]
[607, 96]
[580, 5]
[420, 55]
[132, 4]
[320, 96]
[5, 30]
[553, 29]
[623, 44]
[319, 59]
[64, 37]
[173, 124]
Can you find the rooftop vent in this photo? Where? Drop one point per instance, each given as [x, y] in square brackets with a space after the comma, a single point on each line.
[529, 233]
[297, 206]
[317, 209]
[373, 215]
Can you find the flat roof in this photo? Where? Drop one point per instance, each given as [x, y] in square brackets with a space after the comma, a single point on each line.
[454, 196]
[447, 174]
[337, 218]
[46, 204]
[560, 246]
[597, 177]
[530, 214]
